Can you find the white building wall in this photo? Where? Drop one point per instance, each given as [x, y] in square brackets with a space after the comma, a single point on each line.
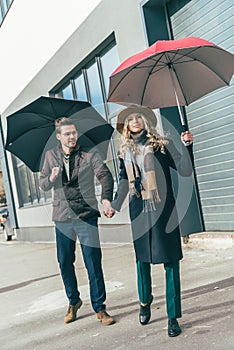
[56, 36]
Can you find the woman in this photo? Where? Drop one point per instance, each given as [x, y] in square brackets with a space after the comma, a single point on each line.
[145, 162]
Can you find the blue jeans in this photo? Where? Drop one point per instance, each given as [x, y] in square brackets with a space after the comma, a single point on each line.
[87, 233]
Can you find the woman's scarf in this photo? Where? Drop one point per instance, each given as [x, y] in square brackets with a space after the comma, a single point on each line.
[142, 166]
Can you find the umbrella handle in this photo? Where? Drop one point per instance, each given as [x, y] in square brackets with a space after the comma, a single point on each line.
[185, 128]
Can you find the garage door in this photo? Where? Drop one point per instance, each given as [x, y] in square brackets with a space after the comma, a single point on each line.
[211, 119]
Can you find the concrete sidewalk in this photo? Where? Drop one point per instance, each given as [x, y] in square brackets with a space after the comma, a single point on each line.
[33, 303]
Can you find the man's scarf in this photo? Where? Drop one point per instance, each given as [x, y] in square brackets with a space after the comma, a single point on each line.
[142, 166]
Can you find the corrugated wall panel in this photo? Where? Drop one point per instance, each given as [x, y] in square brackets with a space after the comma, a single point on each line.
[211, 119]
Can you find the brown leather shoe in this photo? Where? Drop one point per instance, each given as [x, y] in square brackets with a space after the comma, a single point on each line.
[72, 311]
[105, 318]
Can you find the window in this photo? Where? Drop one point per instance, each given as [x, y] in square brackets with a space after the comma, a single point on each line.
[90, 83]
[28, 185]
[95, 88]
[109, 62]
[80, 89]
[4, 6]
[67, 92]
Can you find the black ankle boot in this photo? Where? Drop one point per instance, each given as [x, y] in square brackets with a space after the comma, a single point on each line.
[173, 327]
[145, 313]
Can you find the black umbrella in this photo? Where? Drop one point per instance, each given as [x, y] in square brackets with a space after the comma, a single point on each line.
[31, 131]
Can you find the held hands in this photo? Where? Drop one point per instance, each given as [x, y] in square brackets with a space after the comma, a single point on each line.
[187, 137]
[54, 173]
[108, 211]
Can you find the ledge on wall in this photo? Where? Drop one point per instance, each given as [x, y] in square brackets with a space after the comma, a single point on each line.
[35, 234]
[210, 240]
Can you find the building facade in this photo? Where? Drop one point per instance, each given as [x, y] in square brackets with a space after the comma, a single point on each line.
[69, 51]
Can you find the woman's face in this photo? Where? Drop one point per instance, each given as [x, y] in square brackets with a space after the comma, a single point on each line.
[135, 122]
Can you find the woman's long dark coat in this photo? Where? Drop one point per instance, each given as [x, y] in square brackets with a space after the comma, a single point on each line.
[156, 234]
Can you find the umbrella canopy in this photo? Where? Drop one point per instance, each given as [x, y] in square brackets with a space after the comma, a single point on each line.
[31, 131]
[170, 73]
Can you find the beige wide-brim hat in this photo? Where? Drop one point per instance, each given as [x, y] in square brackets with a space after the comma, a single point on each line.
[145, 111]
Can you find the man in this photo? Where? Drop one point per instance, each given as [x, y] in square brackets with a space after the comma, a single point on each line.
[70, 171]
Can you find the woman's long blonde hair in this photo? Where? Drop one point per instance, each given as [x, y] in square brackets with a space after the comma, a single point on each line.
[155, 139]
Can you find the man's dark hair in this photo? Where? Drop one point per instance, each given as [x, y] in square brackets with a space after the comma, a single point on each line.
[61, 122]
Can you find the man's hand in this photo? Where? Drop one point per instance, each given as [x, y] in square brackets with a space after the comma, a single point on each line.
[54, 173]
[108, 211]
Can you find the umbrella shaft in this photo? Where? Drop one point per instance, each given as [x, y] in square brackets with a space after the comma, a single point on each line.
[177, 100]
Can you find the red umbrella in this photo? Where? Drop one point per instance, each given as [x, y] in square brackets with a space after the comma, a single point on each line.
[170, 73]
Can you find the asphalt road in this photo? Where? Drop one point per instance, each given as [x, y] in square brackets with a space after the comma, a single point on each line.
[33, 303]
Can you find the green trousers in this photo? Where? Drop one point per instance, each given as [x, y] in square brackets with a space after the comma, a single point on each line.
[173, 296]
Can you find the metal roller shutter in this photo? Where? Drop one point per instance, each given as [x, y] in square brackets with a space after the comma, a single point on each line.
[211, 119]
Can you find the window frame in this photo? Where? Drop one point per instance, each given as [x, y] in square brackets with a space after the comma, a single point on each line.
[38, 197]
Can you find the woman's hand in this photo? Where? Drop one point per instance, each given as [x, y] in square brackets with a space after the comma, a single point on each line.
[187, 137]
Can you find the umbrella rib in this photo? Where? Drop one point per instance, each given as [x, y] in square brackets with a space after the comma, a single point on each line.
[39, 158]
[145, 84]
[169, 61]
[65, 113]
[170, 66]
[54, 110]
[52, 107]
[120, 82]
[207, 65]
[133, 67]
[195, 59]
[172, 61]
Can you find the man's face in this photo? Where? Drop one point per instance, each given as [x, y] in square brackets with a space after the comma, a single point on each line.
[68, 137]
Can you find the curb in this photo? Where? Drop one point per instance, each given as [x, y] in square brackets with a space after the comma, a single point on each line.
[209, 240]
